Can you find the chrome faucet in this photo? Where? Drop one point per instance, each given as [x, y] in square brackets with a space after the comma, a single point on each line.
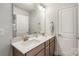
[25, 38]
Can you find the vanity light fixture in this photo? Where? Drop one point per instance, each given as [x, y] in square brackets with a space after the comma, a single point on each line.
[41, 7]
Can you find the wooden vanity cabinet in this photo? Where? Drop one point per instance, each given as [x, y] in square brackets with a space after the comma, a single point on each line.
[41, 53]
[52, 48]
[45, 49]
[17, 53]
[36, 51]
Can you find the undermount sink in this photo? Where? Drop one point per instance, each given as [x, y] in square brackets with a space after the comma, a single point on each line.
[30, 43]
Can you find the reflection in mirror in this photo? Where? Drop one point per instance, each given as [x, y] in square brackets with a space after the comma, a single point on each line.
[28, 19]
[52, 27]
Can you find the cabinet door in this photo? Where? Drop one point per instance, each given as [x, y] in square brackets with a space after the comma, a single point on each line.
[41, 53]
[35, 51]
[47, 51]
[16, 52]
[52, 39]
[52, 48]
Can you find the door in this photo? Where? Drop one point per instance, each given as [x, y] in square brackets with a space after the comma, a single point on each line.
[66, 31]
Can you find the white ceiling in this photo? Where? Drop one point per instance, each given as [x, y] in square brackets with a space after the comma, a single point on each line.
[33, 6]
[26, 6]
[58, 4]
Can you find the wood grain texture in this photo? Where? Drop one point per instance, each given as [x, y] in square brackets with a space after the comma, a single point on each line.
[16, 52]
[47, 51]
[41, 53]
[34, 51]
[52, 48]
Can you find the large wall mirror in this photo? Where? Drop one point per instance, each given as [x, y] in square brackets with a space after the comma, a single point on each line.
[28, 18]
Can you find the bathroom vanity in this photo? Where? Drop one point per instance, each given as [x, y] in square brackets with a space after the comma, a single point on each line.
[32, 21]
[41, 46]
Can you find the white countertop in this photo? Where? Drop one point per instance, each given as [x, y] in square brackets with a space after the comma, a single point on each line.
[25, 46]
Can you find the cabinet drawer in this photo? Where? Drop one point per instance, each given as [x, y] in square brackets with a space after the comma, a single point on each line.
[52, 39]
[41, 53]
[34, 51]
[47, 43]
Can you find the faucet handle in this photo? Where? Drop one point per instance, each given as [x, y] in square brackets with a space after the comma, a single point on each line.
[42, 33]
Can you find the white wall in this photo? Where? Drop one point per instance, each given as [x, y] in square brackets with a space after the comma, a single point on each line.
[5, 29]
[78, 29]
[78, 19]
